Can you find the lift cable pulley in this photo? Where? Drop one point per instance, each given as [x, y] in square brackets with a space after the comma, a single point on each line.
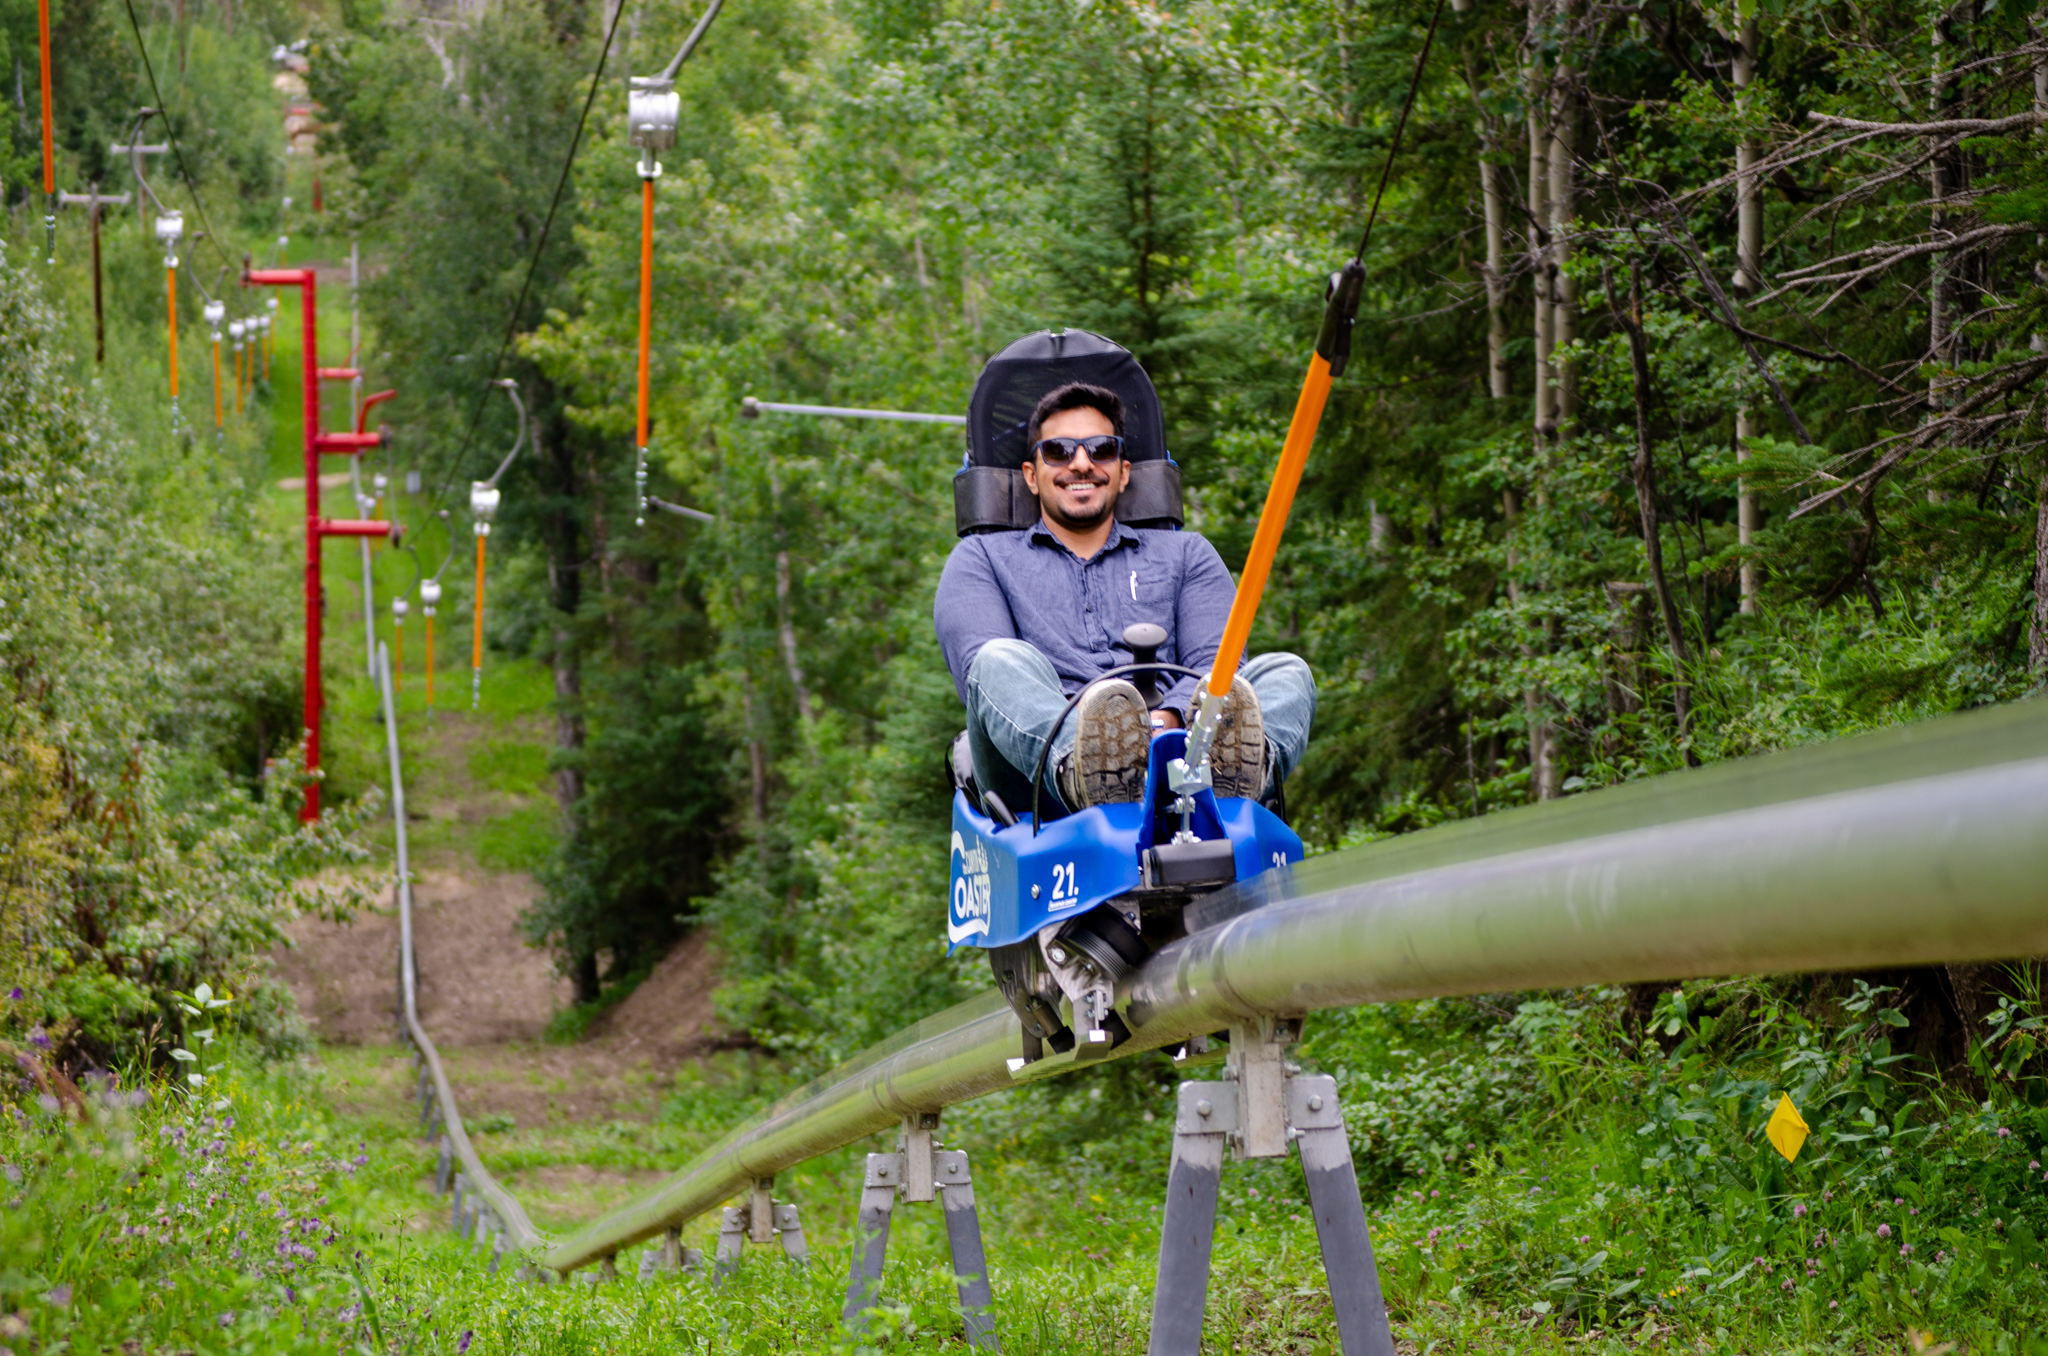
[652, 113]
[484, 497]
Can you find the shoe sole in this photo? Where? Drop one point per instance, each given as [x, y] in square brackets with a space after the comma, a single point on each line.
[1237, 760]
[1111, 744]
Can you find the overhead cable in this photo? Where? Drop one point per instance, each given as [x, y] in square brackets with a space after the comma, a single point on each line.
[177, 153]
[512, 320]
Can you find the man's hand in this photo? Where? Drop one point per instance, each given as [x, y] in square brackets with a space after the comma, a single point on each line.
[1166, 720]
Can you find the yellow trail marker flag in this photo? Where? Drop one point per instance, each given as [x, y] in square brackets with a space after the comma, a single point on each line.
[1786, 1131]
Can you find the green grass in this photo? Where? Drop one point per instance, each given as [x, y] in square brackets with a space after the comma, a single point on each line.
[509, 765]
[521, 840]
[1537, 1180]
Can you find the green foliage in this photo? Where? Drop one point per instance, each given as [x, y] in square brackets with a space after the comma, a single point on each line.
[145, 675]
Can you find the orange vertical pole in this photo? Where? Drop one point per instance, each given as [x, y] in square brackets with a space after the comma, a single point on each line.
[646, 340]
[216, 385]
[646, 297]
[430, 660]
[476, 644]
[171, 280]
[1251, 585]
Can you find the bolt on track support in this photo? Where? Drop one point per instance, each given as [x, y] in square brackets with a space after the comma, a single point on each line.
[922, 1172]
[761, 1220]
[1257, 1112]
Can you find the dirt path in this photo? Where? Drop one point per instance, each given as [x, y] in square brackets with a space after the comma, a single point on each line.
[485, 996]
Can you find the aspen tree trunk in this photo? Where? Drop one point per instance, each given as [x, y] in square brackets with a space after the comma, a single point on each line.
[1496, 276]
[2037, 640]
[785, 621]
[787, 626]
[1564, 122]
[1749, 245]
[1543, 773]
[1539, 219]
[1493, 194]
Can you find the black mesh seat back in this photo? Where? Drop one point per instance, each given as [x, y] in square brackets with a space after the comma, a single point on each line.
[989, 493]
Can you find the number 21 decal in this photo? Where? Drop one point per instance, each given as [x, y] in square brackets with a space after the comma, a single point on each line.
[1064, 887]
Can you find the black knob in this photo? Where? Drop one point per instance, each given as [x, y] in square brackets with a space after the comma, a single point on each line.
[1143, 640]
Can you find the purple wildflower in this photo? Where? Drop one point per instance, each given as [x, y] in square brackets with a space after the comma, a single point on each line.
[462, 1344]
[1884, 1231]
[1799, 1212]
[2004, 1132]
[1905, 1249]
[39, 1038]
[60, 1294]
[14, 995]
[1785, 1284]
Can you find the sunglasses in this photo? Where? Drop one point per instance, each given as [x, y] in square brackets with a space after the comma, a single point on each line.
[1103, 447]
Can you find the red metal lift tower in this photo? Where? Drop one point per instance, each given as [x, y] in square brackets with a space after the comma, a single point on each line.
[317, 528]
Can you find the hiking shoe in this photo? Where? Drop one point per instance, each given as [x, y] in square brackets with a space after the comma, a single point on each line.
[1237, 759]
[1114, 735]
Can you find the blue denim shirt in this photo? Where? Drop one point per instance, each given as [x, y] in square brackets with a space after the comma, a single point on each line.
[1030, 587]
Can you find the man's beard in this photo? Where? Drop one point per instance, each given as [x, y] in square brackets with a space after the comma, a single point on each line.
[1053, 512]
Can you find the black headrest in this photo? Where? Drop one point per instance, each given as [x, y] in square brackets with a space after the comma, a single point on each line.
[989, 494]
[1014, 381]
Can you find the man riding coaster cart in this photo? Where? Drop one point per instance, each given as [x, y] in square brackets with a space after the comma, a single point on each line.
[1079, 837]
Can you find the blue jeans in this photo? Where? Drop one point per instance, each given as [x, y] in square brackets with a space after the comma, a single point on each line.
[1014, 696]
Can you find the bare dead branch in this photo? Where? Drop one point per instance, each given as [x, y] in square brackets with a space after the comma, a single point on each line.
[1946, 127]
[2007, 379]
[1893, 254]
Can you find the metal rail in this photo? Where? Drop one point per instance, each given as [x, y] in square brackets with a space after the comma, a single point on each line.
[505, 1214]
[1917, 845]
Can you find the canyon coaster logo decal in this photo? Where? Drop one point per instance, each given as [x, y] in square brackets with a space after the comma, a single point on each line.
[969, 912]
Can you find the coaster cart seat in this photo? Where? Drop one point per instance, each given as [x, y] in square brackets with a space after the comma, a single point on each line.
[1067, 906]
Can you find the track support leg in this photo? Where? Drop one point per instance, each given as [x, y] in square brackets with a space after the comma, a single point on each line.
[871, 1241]
[920, 1171]
[963, 1239]
[1258, 1113]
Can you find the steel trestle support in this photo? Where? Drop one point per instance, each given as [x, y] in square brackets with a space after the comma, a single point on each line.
[1257, 1113]
[762, 1219]
[921, 1171]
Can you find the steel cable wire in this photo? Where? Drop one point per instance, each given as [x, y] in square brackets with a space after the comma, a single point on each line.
[532, 264]
[171, 132]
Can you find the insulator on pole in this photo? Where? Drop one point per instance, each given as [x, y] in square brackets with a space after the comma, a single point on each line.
[430, 598]
[483, 506]
[216, 312]
[237, 331]
[170, 228]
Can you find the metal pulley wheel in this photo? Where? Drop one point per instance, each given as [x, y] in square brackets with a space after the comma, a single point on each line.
[170, 229]
[652, 111]
[483, 505]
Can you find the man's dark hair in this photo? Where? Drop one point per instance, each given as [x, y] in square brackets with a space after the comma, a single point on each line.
[1075, 395]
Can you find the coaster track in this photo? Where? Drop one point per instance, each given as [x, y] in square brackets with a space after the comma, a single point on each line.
[1917, 845]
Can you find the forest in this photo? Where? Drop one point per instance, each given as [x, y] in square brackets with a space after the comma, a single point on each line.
[1694, 412]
